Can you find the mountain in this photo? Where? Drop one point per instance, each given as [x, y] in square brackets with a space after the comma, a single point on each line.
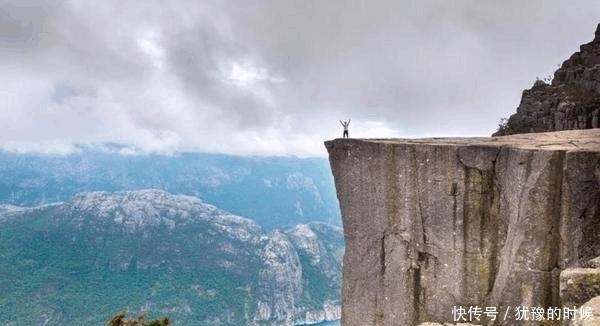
[276, 192]
[78, 262]
[571, 101]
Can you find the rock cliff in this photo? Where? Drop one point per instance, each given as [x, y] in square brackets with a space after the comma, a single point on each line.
[571, 101]
[435, 224]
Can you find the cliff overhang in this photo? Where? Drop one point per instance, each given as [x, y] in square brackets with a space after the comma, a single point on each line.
[439, 223]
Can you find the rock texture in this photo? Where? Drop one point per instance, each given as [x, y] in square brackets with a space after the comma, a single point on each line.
[593, 306]
[578, 285]
[593, 263]
[571, 101]
[446, 324]
[431, 224]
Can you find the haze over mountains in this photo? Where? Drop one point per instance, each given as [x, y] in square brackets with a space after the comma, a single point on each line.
[85, 236]
[276, 192]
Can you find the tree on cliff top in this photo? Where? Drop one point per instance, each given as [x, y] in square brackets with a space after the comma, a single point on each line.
[120, 320]
[503, 128]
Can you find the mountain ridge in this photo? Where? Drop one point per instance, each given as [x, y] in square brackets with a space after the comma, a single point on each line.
[164, 254]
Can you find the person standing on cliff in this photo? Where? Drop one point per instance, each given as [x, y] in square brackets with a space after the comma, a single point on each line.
[345, 124]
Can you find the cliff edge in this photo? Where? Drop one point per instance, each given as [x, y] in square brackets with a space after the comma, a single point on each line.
[440, 223]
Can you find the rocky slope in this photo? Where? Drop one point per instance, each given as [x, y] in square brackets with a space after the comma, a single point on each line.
[571, 101]
[79, 262]
[432, 224]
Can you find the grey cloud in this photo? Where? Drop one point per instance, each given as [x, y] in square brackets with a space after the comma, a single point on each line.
[197, 66]
[58, 36]
[419, 66]
[21, 23]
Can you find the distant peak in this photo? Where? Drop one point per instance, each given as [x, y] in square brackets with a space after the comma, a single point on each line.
[148, 195]
[138, 209]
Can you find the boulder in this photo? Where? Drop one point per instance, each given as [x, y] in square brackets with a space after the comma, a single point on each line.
[579, 285]
[593, 319]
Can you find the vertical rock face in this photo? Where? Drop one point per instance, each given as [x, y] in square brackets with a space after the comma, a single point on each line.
[571, 101]
[432, 224]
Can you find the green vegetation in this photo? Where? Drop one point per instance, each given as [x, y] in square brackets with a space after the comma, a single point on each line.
[503, 127]
[120, 320]
[85, 294]
[71, 268]
[75, 281]
[317, 288]
[589, 280]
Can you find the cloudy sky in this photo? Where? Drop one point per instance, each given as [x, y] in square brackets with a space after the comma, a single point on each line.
[271, 77]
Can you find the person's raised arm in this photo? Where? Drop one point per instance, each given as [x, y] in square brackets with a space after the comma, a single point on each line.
[341, 122]
[349, 121]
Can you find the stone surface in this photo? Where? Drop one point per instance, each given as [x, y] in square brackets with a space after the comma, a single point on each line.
[571, 101]
[593, 263]
[578, 285]
[435, 223]
[593, 306]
